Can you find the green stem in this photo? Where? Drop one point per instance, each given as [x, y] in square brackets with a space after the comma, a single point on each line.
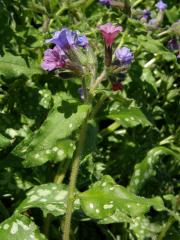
[168, 224]
[79, 155]
[59, 177]
[73, 178]
[111, 128]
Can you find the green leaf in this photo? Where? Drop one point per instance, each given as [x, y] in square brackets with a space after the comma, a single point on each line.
[12, 66]
[143, 228]
[144, 169]
[105, 197]
[49, 142]
[50, 198]
[4, 142]
[155, 47]
[19, 227]
[130, 117]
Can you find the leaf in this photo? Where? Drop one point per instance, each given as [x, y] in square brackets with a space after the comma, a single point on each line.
[105, 197]
[155, 47]
[144, 169]
[143, 228]
[50, 198]
[19, 227]
[130, 117]
[4, 142]
[12, 66]
[49, 141]
[149, 78]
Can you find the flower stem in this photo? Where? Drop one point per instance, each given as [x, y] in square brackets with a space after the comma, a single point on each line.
[73, 178]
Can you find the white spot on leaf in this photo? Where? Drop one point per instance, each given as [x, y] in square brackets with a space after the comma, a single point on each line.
[14, 228]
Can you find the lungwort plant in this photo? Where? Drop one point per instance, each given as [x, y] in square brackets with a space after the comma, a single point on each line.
[89, 120]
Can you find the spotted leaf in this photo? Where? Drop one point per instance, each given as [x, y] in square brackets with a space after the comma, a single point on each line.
[145, 169]
[49, 143]
[130, 117]
[105, 197]
[19, 227]
[50, 198]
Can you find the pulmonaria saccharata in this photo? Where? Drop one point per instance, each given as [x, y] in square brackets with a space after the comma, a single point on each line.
[124, 55]
[161, 6]
[53, 59]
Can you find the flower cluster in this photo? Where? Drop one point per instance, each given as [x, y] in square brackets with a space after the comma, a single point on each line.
[71, 51]
[69, 46]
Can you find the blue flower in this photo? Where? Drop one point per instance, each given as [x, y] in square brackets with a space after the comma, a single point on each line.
[66, 39]
[146, 13]
[161, 6]
[124, 55]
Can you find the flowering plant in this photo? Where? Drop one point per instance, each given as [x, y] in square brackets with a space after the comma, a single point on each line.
[89, 120]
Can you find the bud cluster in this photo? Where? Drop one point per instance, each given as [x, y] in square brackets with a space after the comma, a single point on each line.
[123, 55]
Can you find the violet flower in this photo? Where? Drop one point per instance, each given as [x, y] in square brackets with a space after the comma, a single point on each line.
[68, 39]
[105, 2]
[161, 6]
[109, 32]
[146, 14]
[124, 55]
[173, 44]
[53, 59]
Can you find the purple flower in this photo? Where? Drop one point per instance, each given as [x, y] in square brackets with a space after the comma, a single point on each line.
[124, 55]
[105, 2]
[161, 6]
[153, 22]
[146, 13]
[178, 56]
[81, 40]
[67, 39]
[81, 93]
[53, 59]
[173, 44]
[109, 32]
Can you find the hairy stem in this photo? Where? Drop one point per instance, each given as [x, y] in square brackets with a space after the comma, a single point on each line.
[73, 178]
